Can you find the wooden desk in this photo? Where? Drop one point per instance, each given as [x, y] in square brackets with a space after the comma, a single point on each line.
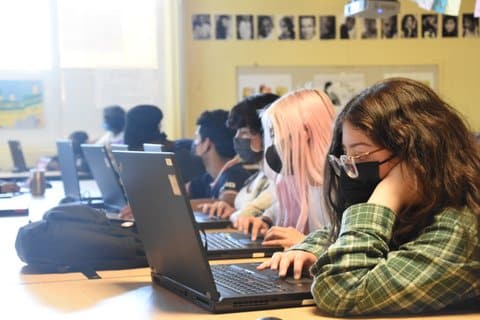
[134, 298]
[6, 175]
[123, 294]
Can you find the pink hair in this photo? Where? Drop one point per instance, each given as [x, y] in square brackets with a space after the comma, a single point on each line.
[302, 123]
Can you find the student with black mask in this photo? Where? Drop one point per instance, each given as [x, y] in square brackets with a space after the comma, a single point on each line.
[225, 174]
[255, 196]
[402, 191]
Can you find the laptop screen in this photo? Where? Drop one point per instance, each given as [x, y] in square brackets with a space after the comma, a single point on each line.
[171, 237]
[17, 156]
[66, 159]
[105, 175]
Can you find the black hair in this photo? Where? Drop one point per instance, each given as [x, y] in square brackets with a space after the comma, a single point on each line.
[142, 126]
[213, 126]
[78, 138]
[114, 117]
[245, 113]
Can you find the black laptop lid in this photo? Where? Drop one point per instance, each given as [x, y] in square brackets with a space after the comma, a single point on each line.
[171, 239]
[18, 158]
[105, 175]
[66, 160]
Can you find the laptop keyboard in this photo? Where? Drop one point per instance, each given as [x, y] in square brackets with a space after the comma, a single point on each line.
[219, 241]
[244, 281]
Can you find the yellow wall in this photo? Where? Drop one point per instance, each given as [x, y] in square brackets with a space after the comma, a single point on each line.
[210, 65]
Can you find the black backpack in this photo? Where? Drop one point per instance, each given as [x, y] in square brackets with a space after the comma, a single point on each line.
[78, 238]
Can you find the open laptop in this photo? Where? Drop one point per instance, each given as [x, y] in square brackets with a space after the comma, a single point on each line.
[14, 206]
[106, 177]
[71, 184]
[205, 221]
[175, 250]
[152, 147]
[118, 147]
[18, 158]
[152, 183]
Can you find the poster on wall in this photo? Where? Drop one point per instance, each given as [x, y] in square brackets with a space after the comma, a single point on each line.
[21, 104]
[340, 87]
[427, 78]
[250, 84]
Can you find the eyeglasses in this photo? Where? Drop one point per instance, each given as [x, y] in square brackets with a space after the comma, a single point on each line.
[348, 163]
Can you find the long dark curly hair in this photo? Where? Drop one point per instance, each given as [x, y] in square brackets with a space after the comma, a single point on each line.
[409, 119]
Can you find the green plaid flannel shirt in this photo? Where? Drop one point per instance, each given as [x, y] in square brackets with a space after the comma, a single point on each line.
[360, 274]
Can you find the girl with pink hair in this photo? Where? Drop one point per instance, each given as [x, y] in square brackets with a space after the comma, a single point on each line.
[297, 133]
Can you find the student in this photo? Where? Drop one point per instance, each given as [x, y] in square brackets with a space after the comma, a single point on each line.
[297, 132]
[144, 126]
[114, 123]
[225, 174]
[402, 190]
[78, 138]
[255, 196]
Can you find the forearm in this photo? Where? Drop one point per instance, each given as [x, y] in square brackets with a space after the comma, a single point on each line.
[359, 274]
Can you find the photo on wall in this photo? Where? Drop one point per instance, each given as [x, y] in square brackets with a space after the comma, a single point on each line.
[340, 88]
[328, 27]
[308, 27]
[409, 26]
[286, 28]
[389, 27]
[449, 26]
[201, 26]
[429, 25]
[244, 27]
[470, 26]
[223, 27]
[265, 27]
[369, 28]
[348, 29]
[251, 84]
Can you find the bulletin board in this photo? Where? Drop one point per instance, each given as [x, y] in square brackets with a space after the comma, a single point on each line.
[341, 83]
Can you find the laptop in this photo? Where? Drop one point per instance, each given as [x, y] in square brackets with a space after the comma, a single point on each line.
[107, 179]
[14, 206]
[68, 169]
[152, 182]
[119, 147]
[152, 147]
[177, 255]
[205, 220]
[18, 158]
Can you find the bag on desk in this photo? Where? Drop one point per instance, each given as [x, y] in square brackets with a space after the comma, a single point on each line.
[78, 238]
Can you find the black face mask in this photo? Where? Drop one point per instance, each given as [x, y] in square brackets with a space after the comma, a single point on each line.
[243, 149]
[358, 190]
[273, 159]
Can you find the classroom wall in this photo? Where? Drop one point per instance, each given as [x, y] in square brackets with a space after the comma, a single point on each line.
[211, 65]
[130, 74]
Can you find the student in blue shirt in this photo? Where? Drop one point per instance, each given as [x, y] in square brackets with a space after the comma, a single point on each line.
[225, 175]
